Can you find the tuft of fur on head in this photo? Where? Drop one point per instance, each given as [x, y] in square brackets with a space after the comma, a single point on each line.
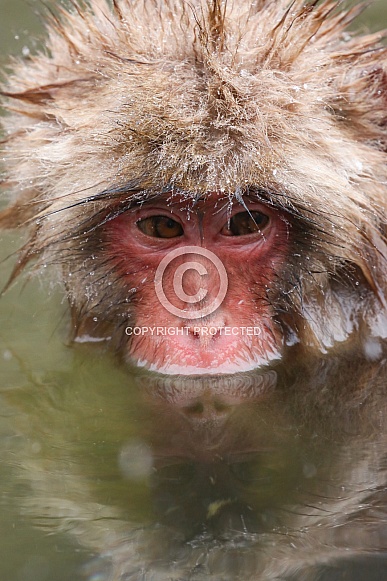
[271, 98]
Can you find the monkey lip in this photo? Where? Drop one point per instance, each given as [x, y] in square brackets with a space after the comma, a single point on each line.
[224, 368]
[189, 358]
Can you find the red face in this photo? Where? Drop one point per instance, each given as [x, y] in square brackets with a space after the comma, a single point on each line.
[201, 277]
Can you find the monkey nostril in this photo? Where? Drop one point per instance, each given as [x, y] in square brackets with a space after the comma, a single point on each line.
[195, 409]
[206, 332]
[220, 407]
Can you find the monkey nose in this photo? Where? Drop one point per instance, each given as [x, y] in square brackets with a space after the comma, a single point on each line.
[201, 331]
[207, 328]
[206, 409]
[204, 336]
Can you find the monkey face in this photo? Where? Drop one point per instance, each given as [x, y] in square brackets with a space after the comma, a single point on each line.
[206, 270]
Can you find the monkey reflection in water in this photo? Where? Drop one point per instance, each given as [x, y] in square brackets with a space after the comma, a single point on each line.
[255, 131]
[250, 476]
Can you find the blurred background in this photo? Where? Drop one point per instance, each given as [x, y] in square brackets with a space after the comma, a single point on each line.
[21, 23]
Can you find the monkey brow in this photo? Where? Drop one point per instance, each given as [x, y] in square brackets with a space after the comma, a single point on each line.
[118, 199]
[115, 201]
[105, 195]
[284, 202]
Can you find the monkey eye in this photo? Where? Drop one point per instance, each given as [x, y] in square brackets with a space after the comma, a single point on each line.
[245, 223]
[160, 227]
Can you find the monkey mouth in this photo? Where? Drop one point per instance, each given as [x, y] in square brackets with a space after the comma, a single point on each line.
[190, 357]
[239, 365]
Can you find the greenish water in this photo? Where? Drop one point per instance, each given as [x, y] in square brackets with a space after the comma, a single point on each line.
[107, 476]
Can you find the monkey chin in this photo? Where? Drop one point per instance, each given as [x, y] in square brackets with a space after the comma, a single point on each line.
[198, 356]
